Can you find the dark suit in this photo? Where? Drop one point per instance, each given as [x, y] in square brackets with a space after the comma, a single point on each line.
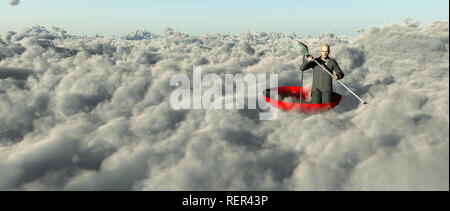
[322, 87]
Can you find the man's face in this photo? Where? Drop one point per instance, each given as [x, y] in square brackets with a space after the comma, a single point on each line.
[324, 51]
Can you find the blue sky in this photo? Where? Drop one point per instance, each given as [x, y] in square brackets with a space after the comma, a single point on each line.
[117, 17]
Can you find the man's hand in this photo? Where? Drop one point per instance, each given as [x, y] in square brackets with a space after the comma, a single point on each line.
[335, 76]
[310, 58]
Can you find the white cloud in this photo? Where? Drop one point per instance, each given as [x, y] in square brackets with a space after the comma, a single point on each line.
[93, 113]
[140, 35]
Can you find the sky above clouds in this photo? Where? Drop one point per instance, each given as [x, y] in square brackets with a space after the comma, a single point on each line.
[232, 16]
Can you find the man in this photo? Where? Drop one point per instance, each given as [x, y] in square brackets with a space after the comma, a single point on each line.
[322, 84]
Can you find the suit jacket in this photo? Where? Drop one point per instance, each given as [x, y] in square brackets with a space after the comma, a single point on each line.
[321, 79]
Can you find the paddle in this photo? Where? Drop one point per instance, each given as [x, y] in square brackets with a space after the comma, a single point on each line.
[304, 51]
[301, 82]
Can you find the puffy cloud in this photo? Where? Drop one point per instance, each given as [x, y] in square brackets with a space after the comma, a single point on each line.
[140, 35]
[93, 113]
[14, 2]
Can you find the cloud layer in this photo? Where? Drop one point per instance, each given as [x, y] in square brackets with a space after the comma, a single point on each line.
[93, 113]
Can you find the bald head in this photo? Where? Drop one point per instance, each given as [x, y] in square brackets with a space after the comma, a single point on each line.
[324, 51]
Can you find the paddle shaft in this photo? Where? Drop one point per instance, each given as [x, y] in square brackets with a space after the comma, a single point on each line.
[301, 86]
[361, 100]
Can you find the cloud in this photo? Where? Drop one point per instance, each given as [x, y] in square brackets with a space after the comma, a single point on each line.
[93, 113]
[14, 2]
[140, 35]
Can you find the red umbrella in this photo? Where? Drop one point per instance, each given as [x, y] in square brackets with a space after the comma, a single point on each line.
[302, 106]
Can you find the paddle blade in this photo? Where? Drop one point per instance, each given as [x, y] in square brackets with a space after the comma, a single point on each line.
[303, 48]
